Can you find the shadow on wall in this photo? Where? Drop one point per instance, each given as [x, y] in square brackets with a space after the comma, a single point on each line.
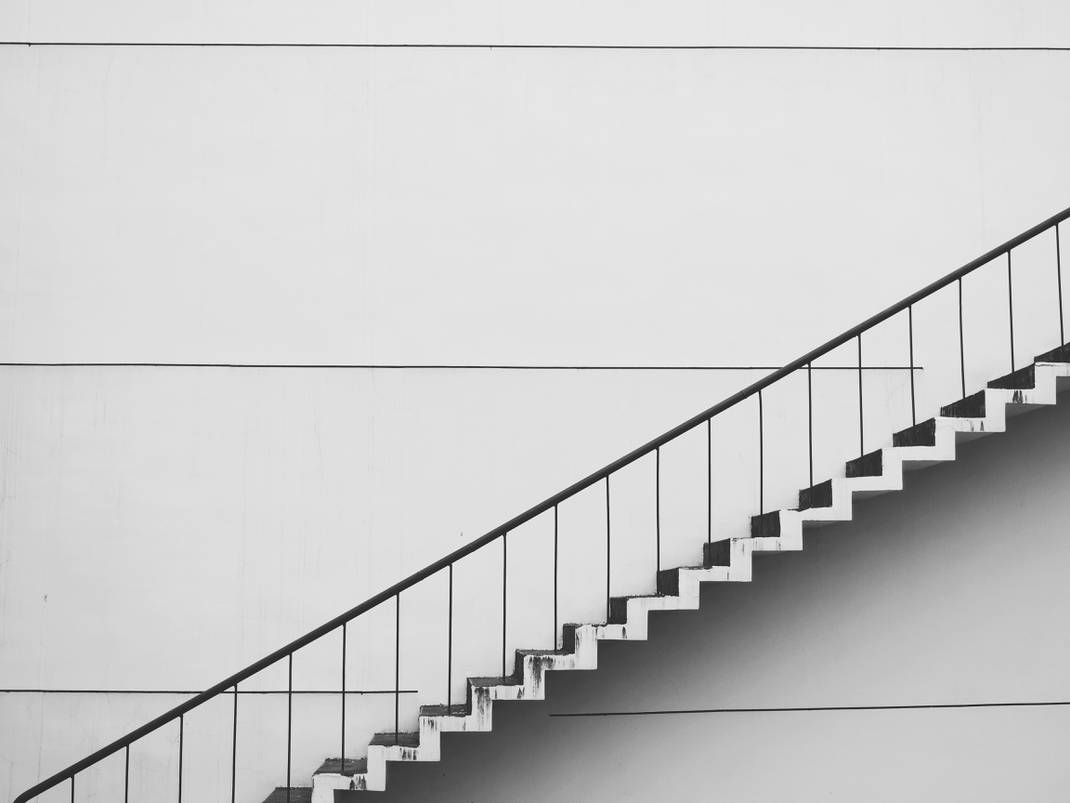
[950, 592]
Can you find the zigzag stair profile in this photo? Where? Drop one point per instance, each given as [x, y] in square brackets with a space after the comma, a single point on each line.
[929, 442]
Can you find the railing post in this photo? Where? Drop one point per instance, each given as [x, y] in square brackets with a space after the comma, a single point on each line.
[810, 420]
[910, 338]
[126, 776]
[181, 738]
[505, 596]
[397, 667]
[1010, 307]
[962, 344]
[608, 550]
[709, 480]
[761, 457]
[289, 720]
[342, 749]
[234, 751]
[556, 630]
[657, 514]
[449, 643]
[861, 421]
[1059, 283]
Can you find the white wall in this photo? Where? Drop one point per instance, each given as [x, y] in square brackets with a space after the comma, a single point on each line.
[501, 206]
[162, 527]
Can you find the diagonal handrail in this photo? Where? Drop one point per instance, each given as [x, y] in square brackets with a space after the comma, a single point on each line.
[547, 504]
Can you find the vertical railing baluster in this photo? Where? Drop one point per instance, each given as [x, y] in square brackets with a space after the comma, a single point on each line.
[709, 480]
[72, 789]
[810, 420]
[962, 344]
[289, 719]
[397, 667]
[505, 597]
[126, 776]
[1059, 283]
[657, 514]
[342, 749]
[608, 548]
[1010, 308]
[910, 340]
[761, 456]
[861, 421]
[234, 751]
[449, 644]
[556, 630]
[181, 739]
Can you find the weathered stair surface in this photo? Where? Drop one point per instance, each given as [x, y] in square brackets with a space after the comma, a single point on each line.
[881, 471]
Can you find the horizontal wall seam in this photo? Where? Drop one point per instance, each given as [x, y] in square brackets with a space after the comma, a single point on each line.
[574, 46]
[444, 366]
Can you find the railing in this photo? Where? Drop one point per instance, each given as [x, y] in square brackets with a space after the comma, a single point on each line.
[550, 506]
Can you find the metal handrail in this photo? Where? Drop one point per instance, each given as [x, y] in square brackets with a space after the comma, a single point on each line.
[542, 507]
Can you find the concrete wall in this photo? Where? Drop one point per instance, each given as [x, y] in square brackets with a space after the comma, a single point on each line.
[162, 527]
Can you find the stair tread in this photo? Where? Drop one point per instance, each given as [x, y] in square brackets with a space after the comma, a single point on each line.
[1059, 354]
[618, 606]
[819, 495]
[298, 794]
[350, 766]
[443, 711]
[391, 739]
[627, 597]
[920, 434]
[543, 652]
[870, 464]
[494, 680]
[1022, 379]
[972, 406]
[766, 525]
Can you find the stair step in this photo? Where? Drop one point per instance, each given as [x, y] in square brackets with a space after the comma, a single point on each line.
[518, 665]
[297, 794]
[494, 680]
[766, 525]
[1022, 379]
[1060, 354]
[868, 465]
[568, 637]
[718, 553]
[923, 434]
[970, 407]
[348, 766]
[444, 711]
[391, 739]
[668, 582]
[819, 495]
[618, 607]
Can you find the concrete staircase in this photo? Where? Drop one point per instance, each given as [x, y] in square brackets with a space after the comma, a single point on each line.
[929, 442]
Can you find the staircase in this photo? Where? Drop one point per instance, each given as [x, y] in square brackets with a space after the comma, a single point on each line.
[881, 471]
[922, 444]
